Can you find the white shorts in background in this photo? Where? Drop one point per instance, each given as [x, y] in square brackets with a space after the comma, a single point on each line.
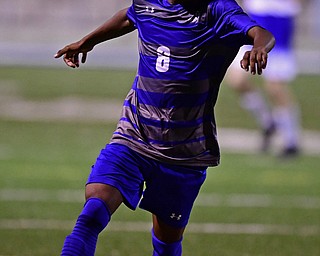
[281, 65]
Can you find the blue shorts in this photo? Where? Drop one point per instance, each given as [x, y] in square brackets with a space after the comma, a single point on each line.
[166, 190]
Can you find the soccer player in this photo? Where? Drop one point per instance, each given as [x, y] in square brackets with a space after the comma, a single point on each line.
[166, 136]
[278, 16]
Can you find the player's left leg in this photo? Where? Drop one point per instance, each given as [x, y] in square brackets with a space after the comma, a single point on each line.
[286, 116]
[166, 240]
[282, 70]
[169, 195]
[251, 99]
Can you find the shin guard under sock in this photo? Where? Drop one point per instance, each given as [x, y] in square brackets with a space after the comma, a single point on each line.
[166, 249]
[93, 219]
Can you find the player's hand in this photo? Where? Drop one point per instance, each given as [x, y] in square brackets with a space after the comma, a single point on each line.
[254, 61]
[71, 54]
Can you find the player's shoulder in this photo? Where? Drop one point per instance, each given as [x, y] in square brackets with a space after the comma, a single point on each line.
[222, 6]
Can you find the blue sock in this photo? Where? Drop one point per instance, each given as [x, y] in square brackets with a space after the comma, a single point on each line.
[163, 249]
[83, 239]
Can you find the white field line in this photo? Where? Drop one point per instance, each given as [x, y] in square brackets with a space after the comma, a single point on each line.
[204, 199]
[69, 109]
[198, 228]
[66, 109]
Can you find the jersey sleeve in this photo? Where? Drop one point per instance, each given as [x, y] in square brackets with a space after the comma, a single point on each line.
[232, 22]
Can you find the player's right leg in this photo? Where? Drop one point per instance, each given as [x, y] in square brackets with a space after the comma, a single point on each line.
[115, 178]
[102, 201]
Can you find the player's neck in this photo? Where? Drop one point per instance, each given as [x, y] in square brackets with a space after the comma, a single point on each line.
[178, 1]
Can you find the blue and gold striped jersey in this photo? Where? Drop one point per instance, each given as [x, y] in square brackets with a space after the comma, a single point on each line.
[184, 51]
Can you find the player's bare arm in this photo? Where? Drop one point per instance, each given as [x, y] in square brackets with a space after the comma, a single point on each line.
[116, 26]
[256, 59]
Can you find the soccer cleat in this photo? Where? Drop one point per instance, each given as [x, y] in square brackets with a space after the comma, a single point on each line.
[290, 152]
[266, 137]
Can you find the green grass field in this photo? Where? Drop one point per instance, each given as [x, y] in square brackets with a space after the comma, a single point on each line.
[251, 205]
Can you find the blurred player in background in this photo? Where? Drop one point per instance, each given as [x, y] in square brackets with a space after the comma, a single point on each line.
[278, 16]
[166, 137]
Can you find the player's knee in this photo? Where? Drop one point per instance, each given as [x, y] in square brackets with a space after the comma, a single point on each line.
[165, 232]
[110, 195]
